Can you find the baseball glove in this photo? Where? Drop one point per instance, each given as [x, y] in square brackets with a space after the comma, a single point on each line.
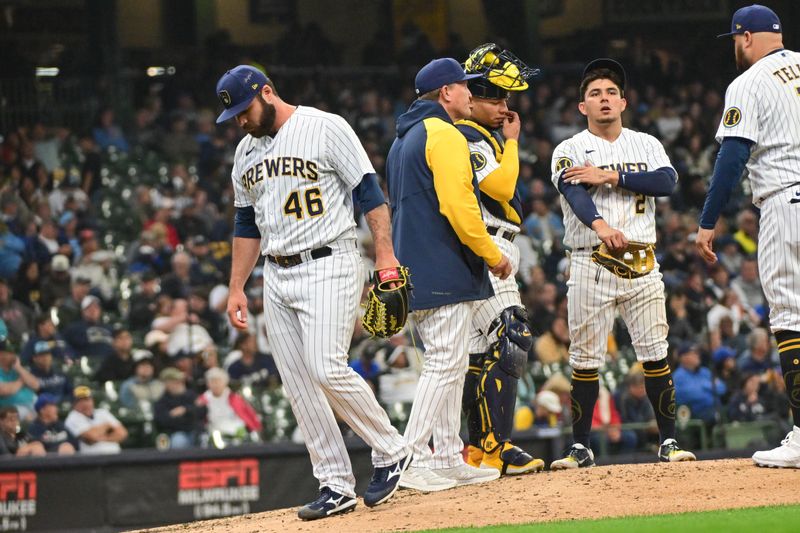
[634, 261]
[386, 308]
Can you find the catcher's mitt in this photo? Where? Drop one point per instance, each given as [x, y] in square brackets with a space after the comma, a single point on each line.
[634, 261]
[386, 308]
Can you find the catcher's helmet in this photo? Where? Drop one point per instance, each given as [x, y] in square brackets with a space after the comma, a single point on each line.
[502, 72]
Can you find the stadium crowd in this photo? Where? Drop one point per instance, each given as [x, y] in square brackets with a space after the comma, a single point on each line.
[114, 258]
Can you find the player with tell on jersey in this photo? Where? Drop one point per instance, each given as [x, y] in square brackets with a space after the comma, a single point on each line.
[609, 177]
[760, 131]
[293, 177]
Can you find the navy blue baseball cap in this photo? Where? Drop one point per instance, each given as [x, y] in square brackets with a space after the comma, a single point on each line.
[755, 19]
[606, 63]
[440, 72]
[237, 88]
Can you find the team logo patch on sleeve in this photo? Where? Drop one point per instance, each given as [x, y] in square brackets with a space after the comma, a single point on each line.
[563, 163]
[478, 160]
[733, 115]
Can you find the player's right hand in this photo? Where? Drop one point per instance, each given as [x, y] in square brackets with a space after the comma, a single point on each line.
[705, 238]
[511, 126]
[502, 269]
[237, 309]
[611, 237]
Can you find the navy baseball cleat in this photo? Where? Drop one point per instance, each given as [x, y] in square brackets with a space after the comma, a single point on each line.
[385, 481]
[578, 456]
[329, 503]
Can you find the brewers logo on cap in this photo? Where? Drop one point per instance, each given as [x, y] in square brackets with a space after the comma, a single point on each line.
[225, 97]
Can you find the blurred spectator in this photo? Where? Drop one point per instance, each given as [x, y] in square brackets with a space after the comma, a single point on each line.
[143, 303]
[90, 335]
[695, 387]
[142, 387]
[48, 430]
[69, 309]
[97, 430]
[13, 440]
[760, 355]
[117, 366]
[98, 267]
[607, 426]
[107, 133]
[680, 327]
[747, 234]
[228, 413]
[548, 409]
[156, 341]
[542, 308]
[543, 226]
[747, 404]
[28, 285]
[748, 286]
[45, 331]
[56, 283]
[403, 361]
[18, 317]
[52, 382]
[177, 284]
[250, 367]
[635, 407]
[12, 248]
[725, 369]
[17, 384]
[177, 413]
[199, 313]
[553, 346]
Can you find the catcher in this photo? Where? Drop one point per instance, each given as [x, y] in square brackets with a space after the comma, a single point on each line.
[609, 177]
[500, 338]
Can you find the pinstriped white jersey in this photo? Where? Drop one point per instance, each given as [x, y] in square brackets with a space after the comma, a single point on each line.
[482, 153]
[763, 105]
[300, 182]
[631, 213]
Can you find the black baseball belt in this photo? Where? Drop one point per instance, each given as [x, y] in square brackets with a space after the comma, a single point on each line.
[287, 261]
[502, 233]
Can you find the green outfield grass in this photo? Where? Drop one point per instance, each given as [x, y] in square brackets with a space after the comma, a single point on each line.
[764, 519]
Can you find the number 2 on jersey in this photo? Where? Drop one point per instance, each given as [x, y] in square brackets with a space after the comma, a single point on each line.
[313, 204]
[640, 203]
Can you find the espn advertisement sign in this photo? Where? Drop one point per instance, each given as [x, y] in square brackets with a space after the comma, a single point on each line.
[17, 500]
[223, 487]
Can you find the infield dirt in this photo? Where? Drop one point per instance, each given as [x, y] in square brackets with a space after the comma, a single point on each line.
[605, 491]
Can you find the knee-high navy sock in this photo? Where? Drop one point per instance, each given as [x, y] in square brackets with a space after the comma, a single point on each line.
[661, 392]
[789, 350]
[585, 388]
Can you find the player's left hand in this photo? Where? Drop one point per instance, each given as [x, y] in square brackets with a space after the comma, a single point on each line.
[590, 175]
[705, 238]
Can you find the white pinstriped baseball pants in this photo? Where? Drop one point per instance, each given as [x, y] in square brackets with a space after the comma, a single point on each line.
[779, 258]
[437, 404]
[310, 311]
[594, 296]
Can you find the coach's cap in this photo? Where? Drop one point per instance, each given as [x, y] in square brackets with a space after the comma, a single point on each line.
[43, 400]
[440, 72]
[755, 19]
[606, 63]
[237, 88]
[687, 347]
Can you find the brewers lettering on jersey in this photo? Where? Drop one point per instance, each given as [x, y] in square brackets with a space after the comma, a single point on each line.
[293, 177]
[609, 177]
[760, 131]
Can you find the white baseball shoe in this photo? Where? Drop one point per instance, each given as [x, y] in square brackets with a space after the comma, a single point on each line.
[465, 474]
[787, 455]
[424, 479]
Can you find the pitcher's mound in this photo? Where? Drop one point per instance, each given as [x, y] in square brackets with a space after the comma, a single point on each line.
[604, 491]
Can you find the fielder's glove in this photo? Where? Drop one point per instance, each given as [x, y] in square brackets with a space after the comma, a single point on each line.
[634, 261]
[386, 308]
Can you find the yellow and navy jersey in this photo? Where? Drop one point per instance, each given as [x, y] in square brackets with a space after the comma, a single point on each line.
[495, 163]
[437, 229]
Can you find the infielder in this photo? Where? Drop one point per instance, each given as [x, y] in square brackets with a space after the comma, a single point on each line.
[608, 177]
[293, 174]
[438, 233]
[760, 129]
[496, 359]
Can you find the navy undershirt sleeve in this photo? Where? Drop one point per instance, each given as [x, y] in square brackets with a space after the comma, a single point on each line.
[728, 169]
[368, 194]
[659, 182]
[579, 200]
[244, 223]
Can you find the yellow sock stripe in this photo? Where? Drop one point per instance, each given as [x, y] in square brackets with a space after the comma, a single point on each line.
[584, 378]
[789, 347]
[475, 369]
[788, 341]
[658, 375]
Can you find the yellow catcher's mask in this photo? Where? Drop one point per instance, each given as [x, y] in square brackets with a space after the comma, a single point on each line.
[500, 67]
